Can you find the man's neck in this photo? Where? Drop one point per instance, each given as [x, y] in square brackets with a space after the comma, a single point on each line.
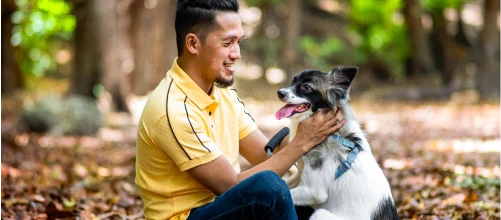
[190, 68]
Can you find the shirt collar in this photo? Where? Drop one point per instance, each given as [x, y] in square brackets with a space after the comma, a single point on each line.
[192, 90]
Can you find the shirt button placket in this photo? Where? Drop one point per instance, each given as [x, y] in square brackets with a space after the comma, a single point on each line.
[212, 122]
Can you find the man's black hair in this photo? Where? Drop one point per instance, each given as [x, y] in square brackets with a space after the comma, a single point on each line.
[199, 17]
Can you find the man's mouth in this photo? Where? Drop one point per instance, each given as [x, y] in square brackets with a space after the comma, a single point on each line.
[290, 109]
[229, 66]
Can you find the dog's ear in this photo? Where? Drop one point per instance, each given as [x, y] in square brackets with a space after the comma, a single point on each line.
[342, 79]
[344, 75]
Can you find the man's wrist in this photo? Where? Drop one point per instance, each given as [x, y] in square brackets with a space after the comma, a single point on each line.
[303, 147]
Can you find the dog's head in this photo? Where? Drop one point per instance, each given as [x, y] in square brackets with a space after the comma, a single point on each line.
[313, 89]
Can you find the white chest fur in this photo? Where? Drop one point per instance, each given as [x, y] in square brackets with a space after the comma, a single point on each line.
[357, 194]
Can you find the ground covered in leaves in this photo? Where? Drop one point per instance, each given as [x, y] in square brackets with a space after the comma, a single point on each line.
[441, 158]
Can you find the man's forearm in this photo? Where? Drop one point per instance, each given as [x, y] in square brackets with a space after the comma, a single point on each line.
[280, 163]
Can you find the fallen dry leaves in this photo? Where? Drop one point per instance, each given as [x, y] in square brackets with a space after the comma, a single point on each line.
[441, 159]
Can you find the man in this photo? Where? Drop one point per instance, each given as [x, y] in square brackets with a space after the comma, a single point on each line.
[194, 127]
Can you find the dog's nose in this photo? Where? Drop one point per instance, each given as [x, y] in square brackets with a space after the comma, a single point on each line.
[281, 94]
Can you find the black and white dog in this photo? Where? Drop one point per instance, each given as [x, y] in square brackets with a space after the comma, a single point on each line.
[339, 178]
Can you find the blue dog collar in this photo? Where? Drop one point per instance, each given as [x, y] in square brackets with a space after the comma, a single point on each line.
[355, 149]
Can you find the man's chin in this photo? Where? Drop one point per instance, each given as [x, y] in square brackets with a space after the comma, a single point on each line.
[223, 83]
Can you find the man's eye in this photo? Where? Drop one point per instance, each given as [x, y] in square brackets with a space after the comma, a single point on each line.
[226, 44]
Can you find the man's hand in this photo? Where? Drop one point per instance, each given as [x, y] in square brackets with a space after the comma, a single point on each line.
[317, 128]
[218, 175]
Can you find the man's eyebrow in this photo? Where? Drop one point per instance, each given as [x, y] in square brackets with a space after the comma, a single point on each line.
[233, 36]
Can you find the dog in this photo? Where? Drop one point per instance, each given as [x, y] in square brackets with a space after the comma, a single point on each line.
[339, 178]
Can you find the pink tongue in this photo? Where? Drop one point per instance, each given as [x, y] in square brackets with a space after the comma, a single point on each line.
[285, 111]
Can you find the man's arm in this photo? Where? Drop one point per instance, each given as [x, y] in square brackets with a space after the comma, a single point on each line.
[252, 147]
[219, 176]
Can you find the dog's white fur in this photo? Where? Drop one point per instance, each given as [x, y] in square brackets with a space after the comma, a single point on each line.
[353, 196]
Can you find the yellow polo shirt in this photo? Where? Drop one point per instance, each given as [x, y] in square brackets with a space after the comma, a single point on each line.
[197, 129]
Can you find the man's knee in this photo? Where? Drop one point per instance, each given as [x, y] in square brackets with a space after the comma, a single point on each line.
[269, 183]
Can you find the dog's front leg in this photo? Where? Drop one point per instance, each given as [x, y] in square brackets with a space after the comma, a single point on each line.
[304, 196]
[301, 196]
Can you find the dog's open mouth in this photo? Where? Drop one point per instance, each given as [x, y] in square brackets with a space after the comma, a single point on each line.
[291, 109]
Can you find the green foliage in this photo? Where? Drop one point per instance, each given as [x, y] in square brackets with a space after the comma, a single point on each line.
[259, 2]
[40, 25]
[319, 53]
[376, 32]
[477, 182]
[379, 29]
[433, 5]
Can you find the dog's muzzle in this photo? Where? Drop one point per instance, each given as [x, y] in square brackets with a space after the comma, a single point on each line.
[281, 93]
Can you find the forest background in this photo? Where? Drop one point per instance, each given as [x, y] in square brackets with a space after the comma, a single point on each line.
[75, 74]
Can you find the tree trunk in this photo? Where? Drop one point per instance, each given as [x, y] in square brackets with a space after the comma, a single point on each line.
[443, 48]
[421, 59]
[488, 74]
[154, 42]
[292, 34]
[117, 60]
[87, 54]
[102, 52]
[447, 45]
[11, 75]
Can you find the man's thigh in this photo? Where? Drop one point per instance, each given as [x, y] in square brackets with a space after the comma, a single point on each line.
[262, 196]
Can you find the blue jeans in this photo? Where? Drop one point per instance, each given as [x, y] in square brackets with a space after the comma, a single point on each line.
[263, 195]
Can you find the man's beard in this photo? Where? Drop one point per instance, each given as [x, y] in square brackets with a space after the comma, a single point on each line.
[223, 83]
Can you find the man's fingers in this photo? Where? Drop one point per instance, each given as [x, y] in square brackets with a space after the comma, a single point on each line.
[335, 114]
[330, 117]
[328, 113]
[337, 126]
[333, 121]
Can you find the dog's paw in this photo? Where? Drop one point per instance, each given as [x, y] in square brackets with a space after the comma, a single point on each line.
[301, 196]
[323, 214]
[320, 198]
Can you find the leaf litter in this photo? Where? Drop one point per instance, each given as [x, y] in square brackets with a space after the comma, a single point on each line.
[441, 159]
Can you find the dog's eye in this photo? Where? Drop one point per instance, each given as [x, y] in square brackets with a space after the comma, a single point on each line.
[306, 87]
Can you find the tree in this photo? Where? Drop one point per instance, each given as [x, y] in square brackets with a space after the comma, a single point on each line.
[103, 55]
[293, 30]
[154, 42]
[488, 60]
[86, 74]
[421, 59]
[11, 75]
[442, 45]
[449, 49]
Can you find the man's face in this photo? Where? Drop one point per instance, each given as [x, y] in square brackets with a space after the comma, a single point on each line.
[221, 49]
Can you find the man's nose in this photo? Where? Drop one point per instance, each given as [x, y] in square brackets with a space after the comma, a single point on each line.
[235, 52]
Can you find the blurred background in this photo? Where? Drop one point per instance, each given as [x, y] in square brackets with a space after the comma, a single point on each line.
[76, 73]
[124, 47]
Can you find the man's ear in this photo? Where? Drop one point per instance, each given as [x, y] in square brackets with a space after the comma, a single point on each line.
[192, 43]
